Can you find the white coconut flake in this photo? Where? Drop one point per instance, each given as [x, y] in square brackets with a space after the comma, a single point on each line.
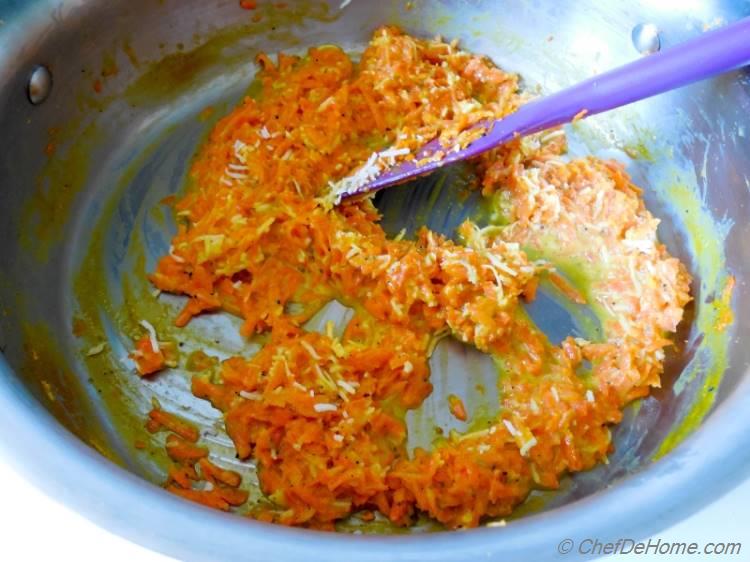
[471, 272]
[96, 350]
[534, 406]
[393, 153]
[321, 407]
[347, 386]
[555, 395]
[511, 428]
[353, 251]
[338, 437]
[526, 447]
[297, 187]
[501, 265]
[239, 149]
[264, 134]
[154, 340]
[174, 256]
[328, 102]
[498, 280]
[250, 395]
[589, 396]
[371, 169]
[310, 349]
[645, 246]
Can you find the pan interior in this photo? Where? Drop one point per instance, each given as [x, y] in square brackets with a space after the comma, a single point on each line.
[91, 218]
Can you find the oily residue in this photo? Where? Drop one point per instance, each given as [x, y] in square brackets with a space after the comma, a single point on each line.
[639, 143]
[46, 212]
[279, 17]
[179, 72]
[106, 370]
[723, 306]
[45, 370]
[705, 239]
[91, 288]
[109, 66]
[412, 13]
[129, 51]
[117, 387]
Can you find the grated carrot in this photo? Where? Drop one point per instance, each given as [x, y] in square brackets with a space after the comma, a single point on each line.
[457, 408]
[323, 416]
[159, 419]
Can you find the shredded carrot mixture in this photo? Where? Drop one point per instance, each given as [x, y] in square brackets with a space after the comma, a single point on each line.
[159, 419]
[457, 407]
[192, 475]
[151, 356]
[147, 359]
[323, 416]
[211, 486]
[725, 317]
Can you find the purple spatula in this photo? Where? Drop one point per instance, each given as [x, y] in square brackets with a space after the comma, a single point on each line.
[710, 54]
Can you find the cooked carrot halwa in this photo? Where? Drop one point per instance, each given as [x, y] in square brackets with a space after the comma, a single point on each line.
[322, 415]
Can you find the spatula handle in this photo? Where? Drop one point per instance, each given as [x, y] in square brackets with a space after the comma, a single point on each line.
[712, 53]
[709, 54]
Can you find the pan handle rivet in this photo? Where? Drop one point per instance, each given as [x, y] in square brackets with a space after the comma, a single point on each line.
[646, 38]
[40, 85]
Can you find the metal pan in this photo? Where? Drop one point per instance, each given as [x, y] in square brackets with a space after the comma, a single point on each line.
[102, 105]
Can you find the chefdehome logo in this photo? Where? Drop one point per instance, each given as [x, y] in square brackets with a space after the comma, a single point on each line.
[653, 546]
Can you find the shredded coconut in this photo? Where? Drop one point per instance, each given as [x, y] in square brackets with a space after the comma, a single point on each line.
[151, 335]
[526, 447]
[321, 407]
[511, 428]
[97, 349]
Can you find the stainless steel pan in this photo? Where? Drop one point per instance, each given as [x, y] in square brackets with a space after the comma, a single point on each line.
[82, 172]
